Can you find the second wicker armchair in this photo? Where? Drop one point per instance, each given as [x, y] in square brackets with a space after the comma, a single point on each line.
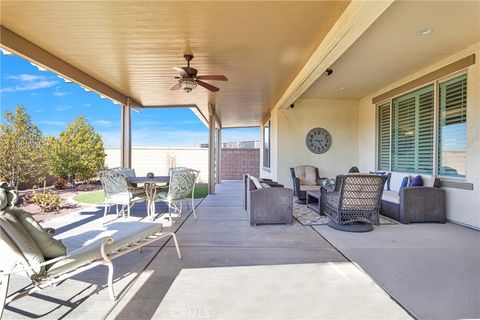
[354, 205]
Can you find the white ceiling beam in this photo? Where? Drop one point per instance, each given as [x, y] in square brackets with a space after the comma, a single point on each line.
[17, 45]
[355, 20]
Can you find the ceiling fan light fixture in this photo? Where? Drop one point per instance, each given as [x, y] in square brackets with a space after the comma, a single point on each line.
[188, 84]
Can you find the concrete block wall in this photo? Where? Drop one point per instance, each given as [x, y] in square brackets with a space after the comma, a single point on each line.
[237, 162]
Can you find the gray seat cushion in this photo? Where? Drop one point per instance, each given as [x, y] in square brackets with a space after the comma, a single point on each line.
[50, 247]
[391, 196]
[136, 231]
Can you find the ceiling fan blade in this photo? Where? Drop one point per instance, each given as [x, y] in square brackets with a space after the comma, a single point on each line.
[182, 72]
[213, 77]
[207, 86]
[175, 87]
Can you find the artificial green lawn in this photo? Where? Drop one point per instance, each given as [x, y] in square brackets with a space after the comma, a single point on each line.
[97, 197]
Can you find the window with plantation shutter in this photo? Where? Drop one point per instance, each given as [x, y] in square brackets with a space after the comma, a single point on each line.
[417, 136]
[412, 134]
[453, 127]
[384, 136]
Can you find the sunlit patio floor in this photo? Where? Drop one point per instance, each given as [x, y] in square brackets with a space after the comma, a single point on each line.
[232, 270]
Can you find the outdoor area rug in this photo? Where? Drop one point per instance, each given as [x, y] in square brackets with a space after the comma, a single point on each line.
[308, 217]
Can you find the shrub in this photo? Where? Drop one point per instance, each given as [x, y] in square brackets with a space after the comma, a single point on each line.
[78, 152]
[60, 183]
[48, 201]
[23, 152]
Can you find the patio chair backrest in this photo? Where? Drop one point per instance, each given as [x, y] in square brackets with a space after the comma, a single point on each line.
[115, 186]
[360, 192]
[182, 183]
[126, 172]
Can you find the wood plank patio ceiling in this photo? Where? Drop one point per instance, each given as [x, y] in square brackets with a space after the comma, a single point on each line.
[132, 45]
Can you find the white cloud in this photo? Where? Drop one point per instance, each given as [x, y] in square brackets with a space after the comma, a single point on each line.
[86, 105]
[104, 123]
[53, 123]
[27, 77]
[59, 94]
[63, 108]
[240, 134]
[32, 85]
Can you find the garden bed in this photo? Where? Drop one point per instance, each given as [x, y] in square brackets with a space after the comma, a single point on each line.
[67, 194]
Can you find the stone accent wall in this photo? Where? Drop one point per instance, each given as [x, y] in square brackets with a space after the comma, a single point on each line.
[237, 162]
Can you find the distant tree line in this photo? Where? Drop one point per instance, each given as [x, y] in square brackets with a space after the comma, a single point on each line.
[27, 156]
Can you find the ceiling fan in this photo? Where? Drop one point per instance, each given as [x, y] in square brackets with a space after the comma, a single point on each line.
[189, 80]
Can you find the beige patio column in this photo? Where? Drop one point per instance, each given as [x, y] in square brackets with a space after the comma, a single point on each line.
[211, 149]
[219, 155]
[126, 143]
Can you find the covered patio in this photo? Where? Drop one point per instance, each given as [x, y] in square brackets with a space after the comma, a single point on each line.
[423, 271]
[393, 86]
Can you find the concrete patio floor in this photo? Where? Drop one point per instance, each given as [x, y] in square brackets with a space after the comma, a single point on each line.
[221, 238]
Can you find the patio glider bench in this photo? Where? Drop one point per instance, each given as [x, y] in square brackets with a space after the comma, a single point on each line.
[28, 249]
[268, 202]
[426, 203]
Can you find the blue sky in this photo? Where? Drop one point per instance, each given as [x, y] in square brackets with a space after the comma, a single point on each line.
[53, 103]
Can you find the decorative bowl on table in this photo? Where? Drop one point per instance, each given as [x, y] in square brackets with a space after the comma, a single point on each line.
[329, 183]
[150, 175]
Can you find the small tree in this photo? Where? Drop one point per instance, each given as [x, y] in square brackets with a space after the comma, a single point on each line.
[78, 152]
[22, 151]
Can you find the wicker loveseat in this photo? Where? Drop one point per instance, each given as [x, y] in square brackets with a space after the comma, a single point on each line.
[268, 203]
[355, 203]
[425, 203]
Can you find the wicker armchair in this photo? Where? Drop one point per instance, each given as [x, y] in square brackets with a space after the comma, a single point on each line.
[305, 178]
[355, 203]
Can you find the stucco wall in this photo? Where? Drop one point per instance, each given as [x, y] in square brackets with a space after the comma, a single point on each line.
[339, 117]
[463, 206]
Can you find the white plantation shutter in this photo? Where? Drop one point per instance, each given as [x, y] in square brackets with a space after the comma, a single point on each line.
[425, 133]
[452, 126]
[384, 118]
[412, 143]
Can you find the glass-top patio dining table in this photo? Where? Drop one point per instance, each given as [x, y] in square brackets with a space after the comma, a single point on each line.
[150, 185]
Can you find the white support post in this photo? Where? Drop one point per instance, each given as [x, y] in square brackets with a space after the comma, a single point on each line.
[126, 143]
[211, 150]
[219, 155]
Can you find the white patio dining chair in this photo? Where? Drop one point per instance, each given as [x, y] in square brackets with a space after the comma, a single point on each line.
[119, 193]
[181, 187]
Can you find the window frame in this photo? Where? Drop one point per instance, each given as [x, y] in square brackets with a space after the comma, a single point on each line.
[266, 152]
[436, 125]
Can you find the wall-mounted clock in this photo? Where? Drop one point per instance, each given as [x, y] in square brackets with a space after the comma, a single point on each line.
[318, 140]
